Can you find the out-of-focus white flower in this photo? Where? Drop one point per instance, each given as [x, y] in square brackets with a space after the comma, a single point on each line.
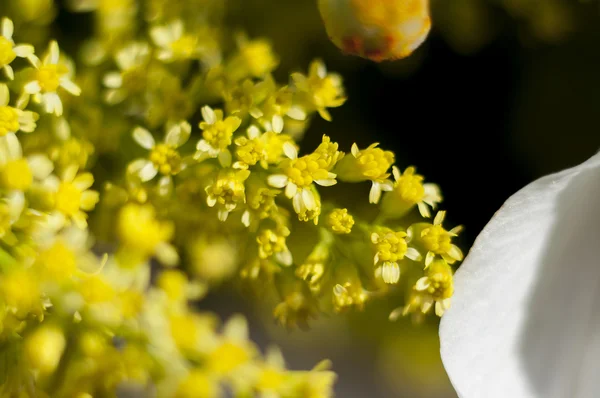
[524, 320]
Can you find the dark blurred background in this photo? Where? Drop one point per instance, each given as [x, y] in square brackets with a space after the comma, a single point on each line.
[501, 93]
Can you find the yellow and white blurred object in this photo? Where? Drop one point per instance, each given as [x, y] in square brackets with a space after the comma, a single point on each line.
[377, 29]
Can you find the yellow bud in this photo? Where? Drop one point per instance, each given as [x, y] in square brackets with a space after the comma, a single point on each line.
[44, 348]
[376, 29]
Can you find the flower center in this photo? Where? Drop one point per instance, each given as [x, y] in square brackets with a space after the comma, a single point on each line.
[166, 159]
[49, 76]
[68, 199]
[374, 162]
[7, 55]
[410, 189]
[9, 120]
[436, 239]
[218, 135]
[391, 247]
[305, 170]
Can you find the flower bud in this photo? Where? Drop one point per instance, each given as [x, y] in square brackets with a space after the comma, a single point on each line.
[377, 29]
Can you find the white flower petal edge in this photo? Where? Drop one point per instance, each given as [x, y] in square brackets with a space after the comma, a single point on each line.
[525, 318]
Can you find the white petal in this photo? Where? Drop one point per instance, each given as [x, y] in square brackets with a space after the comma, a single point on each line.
[277, 124]
[143, 137]
[309, 199]
[208, 115]
[290, 150]
[23, 50]
[524, 320]
[148, 172]
[32, 87]
[4, 95]
[70, 86]
[375, 193]
[277, 180]
[7, 28]
[53, 53]
[178, 134]
[113, 80]
[40, 166]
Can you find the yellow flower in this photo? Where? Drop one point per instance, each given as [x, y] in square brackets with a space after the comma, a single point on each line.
[272, 376]
[436, 240]
[49, 75]
[322, 90]
[436, 286]
[390, 247]
[142, 233]
[272, 243]
[9, 51]
[340, 221]
[297, 308]
[298, 177]
[234, 350]
[250, 150]
[164, 157]
[372, 164]
[174, 44]
[409, 191]
[132, 60]
[16, 172]
[255, 58]
[377, 29]
[72, 196]
[328, 153]
[44, 348]
[228, 191]
[217, 134]
[260, 201]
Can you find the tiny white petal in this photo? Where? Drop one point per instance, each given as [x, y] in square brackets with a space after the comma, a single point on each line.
[290, 150]
[277, 180]
[208, 115]
[143, 137]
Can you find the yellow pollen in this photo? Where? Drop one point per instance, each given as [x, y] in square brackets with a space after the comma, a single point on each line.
[9, 120]
[7, 55]
[49, 76]
[68, 199]
[166, 159]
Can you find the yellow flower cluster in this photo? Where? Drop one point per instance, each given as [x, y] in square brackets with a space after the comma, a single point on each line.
[167, 164]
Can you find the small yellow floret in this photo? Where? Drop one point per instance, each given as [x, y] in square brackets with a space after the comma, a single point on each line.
[340, 221]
